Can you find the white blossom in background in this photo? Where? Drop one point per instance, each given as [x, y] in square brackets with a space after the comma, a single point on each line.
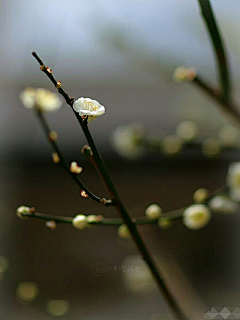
[57, 307]
[229, 136]
[200, 195]
[233, 181]
[234, 194]
[79, 222]
[196, 216]
[123, 232]
[22, 210]
[222, 204]
[233, 176]
[187, 130]
[182, 74]
[154, 211]
[88, 107]
[27, 291]
[40, 99]
[171, 145]
[137, 276]
[127, 140]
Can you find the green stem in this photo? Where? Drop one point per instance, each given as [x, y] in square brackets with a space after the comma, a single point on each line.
[176, 311]
[218, 46]
[62, 161]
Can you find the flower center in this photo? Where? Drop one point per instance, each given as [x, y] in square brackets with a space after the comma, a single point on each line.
[90, 105]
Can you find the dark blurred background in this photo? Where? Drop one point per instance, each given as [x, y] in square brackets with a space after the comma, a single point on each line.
[122, 53]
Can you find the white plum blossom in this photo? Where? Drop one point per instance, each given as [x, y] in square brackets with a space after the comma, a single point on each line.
[196, 216]
[79, 222]
[127, 140]
[223, 204]
[153, 211]
[40, 99]
[88, 107]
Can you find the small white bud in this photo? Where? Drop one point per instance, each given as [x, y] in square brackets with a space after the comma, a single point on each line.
[74, 168]
[153, 211]
[182, 74]
[79, 222]
[22, 210]
[124, 232]
[196, 216]
[200, 195]
[51, 225]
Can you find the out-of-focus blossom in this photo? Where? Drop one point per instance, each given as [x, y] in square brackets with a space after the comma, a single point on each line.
[187, 130]
[79, 222]
[182, 74]
[222, 204]
[88, 107]
[51, 225]
[171, 145]
[211, 147]
[200, 195]
[233, 176]
[164, 223]
[124, 232]
[127, 140]
[154, 211]
[233, 181]
[57, 307]
[41, 99]
[196, 216]
[229, 136]
[137, 275]
[27, 291]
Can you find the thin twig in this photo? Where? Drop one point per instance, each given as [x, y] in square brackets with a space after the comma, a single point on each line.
[176, 311]
[62, 161]
[218, 46]
[170, 215]
[228, 108]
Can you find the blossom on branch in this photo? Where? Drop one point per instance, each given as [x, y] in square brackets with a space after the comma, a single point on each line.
[22, 211]
[79, 222]
[196, 216]
[183, 74]
[88, 107]
[153, 211]
[40, 99]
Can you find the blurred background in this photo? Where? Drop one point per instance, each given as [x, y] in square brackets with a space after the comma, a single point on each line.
[122, 53]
